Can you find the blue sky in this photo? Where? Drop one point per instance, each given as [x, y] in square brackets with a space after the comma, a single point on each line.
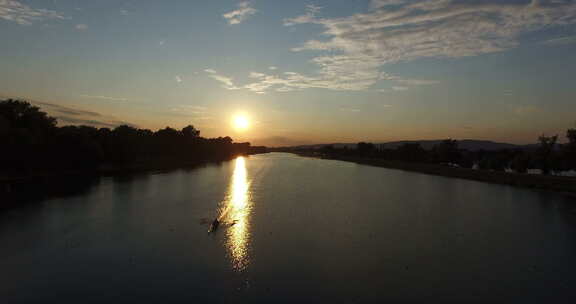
[302, 71]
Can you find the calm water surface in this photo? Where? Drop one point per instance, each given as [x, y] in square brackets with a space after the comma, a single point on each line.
[294, 230]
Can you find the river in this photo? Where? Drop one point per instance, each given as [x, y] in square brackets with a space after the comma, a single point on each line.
[293, 230]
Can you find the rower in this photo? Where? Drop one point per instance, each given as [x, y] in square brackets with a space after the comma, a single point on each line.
[214, 225]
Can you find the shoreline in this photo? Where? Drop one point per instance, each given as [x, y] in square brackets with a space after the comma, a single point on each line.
[559, 184]
[18, 189]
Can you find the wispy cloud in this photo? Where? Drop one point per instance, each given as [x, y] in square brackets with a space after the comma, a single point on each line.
[376, 4]
[81, 27]
[399, 88]
[23, 14]
[356, 47]
[524, 110]
[198, 113]
[104, 97]
[308, 17]
[189, 109]
[560, 41]
[67, 120]
[72, 116]
[66, 110]
[415, 82]
[239, 15]
[227, 82]
[178, 79]
[338, 79]
[353, 110]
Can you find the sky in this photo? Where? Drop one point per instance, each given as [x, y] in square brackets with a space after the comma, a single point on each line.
[301, 72]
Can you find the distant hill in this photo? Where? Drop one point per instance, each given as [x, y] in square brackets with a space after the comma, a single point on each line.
[468, 144]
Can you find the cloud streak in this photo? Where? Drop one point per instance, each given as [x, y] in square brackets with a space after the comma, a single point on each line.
[560, 41]
[308, 17]
[356, 47]
[241, 14]
[188, 109]
[22, 14]
[338, 79]
[196, 113]
[90, 122]
[72, 116]
[66, 110]
[104, 97]
[227, 82]
[353, 110]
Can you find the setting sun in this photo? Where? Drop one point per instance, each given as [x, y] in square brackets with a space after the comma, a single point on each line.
[240, 122]
[305, 150]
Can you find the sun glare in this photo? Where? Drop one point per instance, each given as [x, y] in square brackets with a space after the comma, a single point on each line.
[241, 122]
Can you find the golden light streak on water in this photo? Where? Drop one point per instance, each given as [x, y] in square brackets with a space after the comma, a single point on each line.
[237, 208]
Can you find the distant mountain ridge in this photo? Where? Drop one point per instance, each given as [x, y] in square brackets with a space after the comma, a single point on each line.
[467, 144]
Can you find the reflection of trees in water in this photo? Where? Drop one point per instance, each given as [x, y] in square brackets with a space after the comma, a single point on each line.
[42, 188]
[32, 144]
[30, 190]
[37, 189]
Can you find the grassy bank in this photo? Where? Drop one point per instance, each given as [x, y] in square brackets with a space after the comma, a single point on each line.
[563, 184]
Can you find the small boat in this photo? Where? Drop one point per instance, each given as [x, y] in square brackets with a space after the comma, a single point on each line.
[214, 225]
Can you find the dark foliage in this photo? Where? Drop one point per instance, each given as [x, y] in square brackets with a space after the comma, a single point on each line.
[568, 158]
[447, 152]
[544, 154]
[365, 149]
[548, 156]
[31, 141]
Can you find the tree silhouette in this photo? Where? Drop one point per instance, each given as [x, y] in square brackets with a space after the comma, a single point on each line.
[190, 132]
[21, 114]
[447, 151]
[520, 163]
[544, 153]
[328, 149]
[411, 152]
[365, 149]
[30, 140]
[24, 131]
[570, 149]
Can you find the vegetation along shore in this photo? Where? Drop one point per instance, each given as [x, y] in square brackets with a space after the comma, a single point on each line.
[505, 166]
[34, 149]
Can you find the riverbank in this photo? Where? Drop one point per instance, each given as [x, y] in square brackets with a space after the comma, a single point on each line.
[19, 188]
[562, 184]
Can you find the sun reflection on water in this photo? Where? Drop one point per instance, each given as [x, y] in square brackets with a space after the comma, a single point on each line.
[237, 207]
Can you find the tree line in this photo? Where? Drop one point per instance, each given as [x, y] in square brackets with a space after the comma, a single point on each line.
[548, 155]
[31, 140]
